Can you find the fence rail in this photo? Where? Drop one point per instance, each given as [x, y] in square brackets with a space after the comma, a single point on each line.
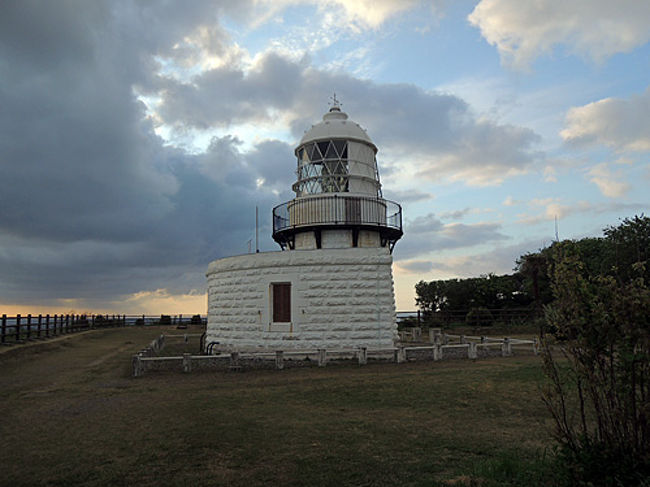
[442, 346]
[470, 316]
[20, 328]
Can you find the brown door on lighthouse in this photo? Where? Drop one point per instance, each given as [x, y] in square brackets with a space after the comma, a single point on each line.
[281, 302]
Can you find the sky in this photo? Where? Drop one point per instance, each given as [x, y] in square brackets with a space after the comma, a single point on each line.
[138, 137]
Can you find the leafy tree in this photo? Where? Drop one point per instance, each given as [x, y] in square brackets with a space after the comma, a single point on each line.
[600, 397]
[630, 244]
[533, 268]
[488, 291]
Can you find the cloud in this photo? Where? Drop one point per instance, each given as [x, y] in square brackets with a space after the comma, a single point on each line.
[606, 181]
[522, 31]
[416, 266]
[459, 214]
[407, 195]
[501, 260]
[554, 207]
[95, 206]
[426, 234]
[151, 302]
[354, 14]
[428, 135]
[623, 124]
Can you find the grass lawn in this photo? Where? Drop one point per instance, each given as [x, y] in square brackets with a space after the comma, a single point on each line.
[71, 415]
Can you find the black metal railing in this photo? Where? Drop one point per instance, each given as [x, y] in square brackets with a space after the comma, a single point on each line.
[337, 210]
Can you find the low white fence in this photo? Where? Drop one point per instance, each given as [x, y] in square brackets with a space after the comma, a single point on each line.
[443, 346]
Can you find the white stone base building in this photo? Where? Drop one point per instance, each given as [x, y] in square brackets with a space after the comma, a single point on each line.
[339, 298]
[331, 286]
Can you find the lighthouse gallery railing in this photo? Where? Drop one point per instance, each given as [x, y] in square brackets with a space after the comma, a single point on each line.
[337, 210]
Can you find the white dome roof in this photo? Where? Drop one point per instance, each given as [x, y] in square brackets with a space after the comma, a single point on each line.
[335, 125]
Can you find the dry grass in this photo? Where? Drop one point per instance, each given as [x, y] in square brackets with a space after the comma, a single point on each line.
[72, 415]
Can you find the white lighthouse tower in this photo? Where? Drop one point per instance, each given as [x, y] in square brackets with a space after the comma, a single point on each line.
[331, 286]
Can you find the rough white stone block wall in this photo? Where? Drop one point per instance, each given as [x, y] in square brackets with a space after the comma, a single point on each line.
[340, 298]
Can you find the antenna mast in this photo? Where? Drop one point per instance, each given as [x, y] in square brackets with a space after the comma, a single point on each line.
[257, 229]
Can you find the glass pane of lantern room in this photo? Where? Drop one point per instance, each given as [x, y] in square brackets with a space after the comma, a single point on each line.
[322, 146]
[309, 151]
[331, 153]
[341, 148]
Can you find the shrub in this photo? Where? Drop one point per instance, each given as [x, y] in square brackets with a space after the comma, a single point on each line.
[600, 397]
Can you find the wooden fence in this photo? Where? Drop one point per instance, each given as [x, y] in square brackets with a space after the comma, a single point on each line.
[441, 346]
[20, 328]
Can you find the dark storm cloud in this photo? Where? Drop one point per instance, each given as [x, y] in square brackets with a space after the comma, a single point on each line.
[225, 95]
[92, 202]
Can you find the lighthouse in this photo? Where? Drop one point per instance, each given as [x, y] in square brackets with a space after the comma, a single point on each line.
[330, 285]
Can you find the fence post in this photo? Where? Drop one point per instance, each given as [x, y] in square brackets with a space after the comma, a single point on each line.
[187, 362]
[417, 333]
[279, 359]
[3, 330]
[471, 351]
[401, 355]
[137, 366]
[535, 348]
[506, 347]
[437, 352]
[29, 326]
[123, 320]
[322, 357]
[67, 323]
[47, 325]
[234, 361]
[40, 324]
[363, 356]
[17, 333]
[462, 340]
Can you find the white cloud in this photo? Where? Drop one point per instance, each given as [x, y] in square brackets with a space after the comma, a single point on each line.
[372, 13]
[607, 181]
[621, 124]
[555, 207]
[550, 174]
[524, 30]
[415, 266]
